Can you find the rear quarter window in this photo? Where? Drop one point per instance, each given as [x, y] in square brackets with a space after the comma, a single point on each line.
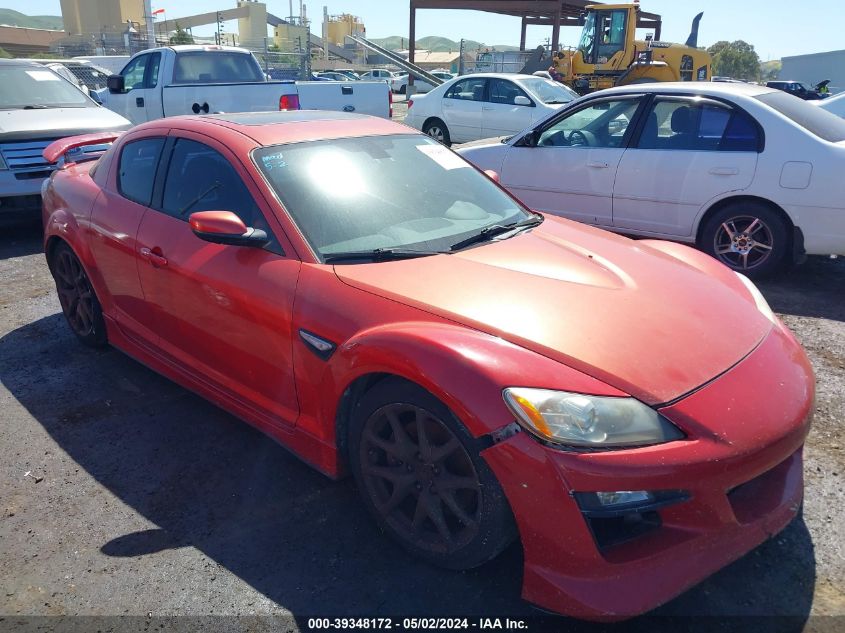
[137, 168]
[817, 121]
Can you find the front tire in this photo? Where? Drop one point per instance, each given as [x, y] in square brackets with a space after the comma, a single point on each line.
[748, 237]
[437, 130]
[421, 476]
[79, 302]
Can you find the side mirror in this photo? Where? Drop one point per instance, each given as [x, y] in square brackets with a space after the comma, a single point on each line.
[530, 139]
[492, 175]
[224, 227]
[115, 84]
[522, 100]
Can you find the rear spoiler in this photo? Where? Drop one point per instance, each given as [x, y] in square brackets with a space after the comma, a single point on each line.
[59, 149]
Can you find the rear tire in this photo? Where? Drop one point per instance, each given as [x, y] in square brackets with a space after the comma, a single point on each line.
[420, 474]
[437, 130]
[80, 305]
[749, 237]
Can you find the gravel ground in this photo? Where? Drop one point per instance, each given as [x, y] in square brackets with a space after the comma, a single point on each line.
[123, 494]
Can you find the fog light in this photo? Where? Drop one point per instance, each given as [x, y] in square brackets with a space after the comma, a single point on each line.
[610, 499]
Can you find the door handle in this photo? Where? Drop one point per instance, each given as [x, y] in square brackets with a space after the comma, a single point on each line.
[724, 171]
[154, 258]
[486, 108]
[139, 101]
[597, 164]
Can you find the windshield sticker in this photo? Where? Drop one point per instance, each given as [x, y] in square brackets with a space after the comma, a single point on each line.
[42, 75]
[443, 156]
[273, 161]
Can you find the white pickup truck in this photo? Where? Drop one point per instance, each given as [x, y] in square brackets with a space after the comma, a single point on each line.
[175, 80]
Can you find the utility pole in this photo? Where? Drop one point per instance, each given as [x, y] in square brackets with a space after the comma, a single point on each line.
[218, 38]
[461, 58]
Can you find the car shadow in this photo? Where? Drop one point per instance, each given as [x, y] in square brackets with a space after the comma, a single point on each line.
[815, 288]
[211, 482]
[19, 239]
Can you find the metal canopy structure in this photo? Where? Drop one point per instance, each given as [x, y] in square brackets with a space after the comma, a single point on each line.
[554, 13]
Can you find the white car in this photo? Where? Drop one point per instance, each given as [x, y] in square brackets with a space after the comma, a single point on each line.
[835, 104]
[379, 73]
[750, 174]
[400, 82]
[473, 107]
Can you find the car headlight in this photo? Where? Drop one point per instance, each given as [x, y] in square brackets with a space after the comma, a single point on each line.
[574, 419]
[759, 299]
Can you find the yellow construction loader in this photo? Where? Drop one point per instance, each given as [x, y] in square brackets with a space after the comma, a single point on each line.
[608, 55]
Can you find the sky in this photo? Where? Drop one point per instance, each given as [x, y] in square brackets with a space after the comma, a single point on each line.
[774, 27]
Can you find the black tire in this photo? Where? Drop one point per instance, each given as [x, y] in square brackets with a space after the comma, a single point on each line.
[762, 252]
[396, 482]
[80, 305]
[437, 130]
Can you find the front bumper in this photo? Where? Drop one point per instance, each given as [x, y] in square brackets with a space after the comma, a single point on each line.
[741, 466]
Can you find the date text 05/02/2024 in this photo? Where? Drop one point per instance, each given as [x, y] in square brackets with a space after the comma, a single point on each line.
[413, 624]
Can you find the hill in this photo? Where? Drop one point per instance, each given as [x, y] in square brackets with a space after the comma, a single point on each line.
[10, 17]
[436, 44]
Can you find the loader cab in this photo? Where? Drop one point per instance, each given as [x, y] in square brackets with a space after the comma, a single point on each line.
[605, 34]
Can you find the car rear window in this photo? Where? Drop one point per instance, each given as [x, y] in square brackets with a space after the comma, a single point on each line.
[204, 67]
[825, 125]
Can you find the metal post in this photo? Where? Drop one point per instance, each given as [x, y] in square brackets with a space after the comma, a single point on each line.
[521, 36]
[266, 57]
[412, 42]
[556, 32]
[461, 58]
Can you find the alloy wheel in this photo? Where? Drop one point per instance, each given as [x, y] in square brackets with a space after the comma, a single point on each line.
[743, 242]
[75, 293]
[420, 478]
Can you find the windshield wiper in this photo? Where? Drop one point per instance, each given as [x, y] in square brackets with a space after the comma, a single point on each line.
[36, 106]
[497, 229]
[378, 255]
[556, 101]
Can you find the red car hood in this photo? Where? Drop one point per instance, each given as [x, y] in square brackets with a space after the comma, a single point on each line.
[637, 319]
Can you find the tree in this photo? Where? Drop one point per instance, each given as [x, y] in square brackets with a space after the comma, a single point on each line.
[4, 54]
[735, 59]
[181, 36]
[769, 71]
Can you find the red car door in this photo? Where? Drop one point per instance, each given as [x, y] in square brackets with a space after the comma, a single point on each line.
[223, 313]
[115, 218]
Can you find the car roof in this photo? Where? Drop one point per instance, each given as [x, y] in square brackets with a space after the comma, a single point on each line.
[717, 88]
[296, 126]
[18, 62]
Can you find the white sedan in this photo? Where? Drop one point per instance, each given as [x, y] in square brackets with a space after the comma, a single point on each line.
[472, 107]
[750, 174]
[400, 82]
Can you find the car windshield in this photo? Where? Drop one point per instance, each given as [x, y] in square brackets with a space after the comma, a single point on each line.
[383, 192]
[38, 87]
[818, 121]
[548, 91]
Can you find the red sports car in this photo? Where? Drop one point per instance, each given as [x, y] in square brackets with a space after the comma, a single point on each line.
[631, 411]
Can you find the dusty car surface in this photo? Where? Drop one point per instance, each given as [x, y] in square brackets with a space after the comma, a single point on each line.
[486, 373]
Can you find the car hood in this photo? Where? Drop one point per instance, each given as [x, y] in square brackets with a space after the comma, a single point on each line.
[31, 125]
[634, 317]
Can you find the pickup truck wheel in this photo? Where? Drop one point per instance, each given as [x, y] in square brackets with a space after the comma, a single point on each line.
[421, 476]
[749, 237]
[79, 302]
[436, 129]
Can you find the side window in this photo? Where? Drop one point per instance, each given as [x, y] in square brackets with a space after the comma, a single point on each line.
[686, 68]
[504, 91]
[601, 124]
[151, 80]
[684, 125]
[200, 179]
[612, 33]
[133, 74]
[138, 163]
[471, 89]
